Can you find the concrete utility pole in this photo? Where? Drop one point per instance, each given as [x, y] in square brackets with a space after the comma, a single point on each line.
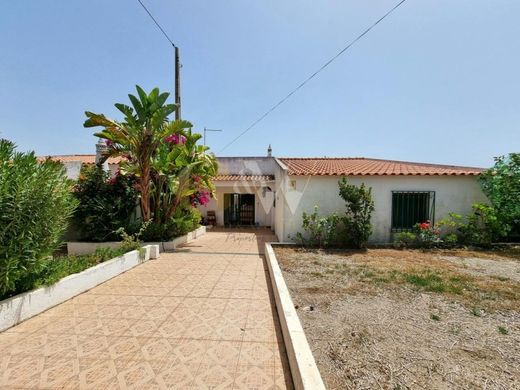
[177, 83]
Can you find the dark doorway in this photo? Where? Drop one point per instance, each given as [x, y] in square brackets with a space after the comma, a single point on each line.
[239, 209]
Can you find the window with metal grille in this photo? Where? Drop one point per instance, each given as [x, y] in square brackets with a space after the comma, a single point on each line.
[412, 207]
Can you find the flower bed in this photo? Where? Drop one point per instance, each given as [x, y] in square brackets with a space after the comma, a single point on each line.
[26, 305]
[83, 248]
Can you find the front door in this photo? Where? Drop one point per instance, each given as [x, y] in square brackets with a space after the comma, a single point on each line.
[239, 209]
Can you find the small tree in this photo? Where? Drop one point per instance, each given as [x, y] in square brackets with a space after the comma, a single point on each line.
[501, 184]
[173, 172]
[36, 203]
[359, 206]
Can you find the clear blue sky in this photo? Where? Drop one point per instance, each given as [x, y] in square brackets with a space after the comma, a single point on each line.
[438, 81]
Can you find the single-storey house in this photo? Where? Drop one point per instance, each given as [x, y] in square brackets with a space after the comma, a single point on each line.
[274, 192]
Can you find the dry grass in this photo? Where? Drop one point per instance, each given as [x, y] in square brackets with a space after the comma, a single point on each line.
[409, 319]
[435, 271]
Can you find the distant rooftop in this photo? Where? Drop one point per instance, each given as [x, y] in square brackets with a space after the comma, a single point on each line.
[83, 158]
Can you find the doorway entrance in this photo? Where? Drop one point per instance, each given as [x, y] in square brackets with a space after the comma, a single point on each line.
[239, 209]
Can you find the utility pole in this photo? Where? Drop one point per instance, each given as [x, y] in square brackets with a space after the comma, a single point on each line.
[177, 83]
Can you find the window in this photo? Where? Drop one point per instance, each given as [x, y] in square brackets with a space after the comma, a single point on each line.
[411, 207]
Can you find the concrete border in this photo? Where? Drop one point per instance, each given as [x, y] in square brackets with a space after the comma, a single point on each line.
[26, 305]
[86, 248]
[304, 371]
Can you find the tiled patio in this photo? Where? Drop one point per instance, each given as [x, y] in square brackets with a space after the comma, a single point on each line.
[200, 318]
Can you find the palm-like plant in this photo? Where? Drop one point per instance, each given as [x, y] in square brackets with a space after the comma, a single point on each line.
[163, 155]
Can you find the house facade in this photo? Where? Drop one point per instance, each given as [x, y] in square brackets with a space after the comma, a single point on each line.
[279, 190]
[274, 192]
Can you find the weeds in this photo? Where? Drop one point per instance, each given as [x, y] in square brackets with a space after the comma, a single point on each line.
[435, 317]
[503, 330]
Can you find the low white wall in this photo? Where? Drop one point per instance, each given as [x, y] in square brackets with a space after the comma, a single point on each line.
[86, 248]
[304, 371]
[452, 193]
[23, 306]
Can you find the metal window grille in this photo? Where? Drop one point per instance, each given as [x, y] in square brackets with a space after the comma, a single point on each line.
[412, 207]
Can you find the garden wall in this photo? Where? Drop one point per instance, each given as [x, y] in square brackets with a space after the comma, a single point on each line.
[86, 248]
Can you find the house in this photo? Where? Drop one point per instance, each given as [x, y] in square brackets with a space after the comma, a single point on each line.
[274, 192]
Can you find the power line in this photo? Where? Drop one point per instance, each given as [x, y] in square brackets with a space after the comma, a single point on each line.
[313, 75]
[156, 23]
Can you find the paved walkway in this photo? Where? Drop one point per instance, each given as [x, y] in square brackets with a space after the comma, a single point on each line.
[203, 317]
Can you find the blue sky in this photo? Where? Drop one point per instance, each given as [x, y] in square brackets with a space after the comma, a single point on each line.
[438, 81]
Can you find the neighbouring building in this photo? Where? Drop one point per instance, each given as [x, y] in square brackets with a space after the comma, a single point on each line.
[274, 192]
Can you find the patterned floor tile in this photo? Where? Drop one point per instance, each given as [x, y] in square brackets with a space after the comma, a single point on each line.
[186, 320]
[254, 377]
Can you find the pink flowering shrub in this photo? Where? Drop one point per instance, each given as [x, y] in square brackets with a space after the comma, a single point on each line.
[175, 139]
[201, 197]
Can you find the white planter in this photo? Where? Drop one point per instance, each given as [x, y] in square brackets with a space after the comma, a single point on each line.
[86, 248]
[26, 305]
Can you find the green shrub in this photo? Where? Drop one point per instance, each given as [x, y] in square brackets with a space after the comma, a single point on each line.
[501, 184]
[483, 226]
[450, 240]
[105, 205]
[405, 239]
[359, 206]
[35, 206]
[52, 270]
[185, 220]
[319, 231]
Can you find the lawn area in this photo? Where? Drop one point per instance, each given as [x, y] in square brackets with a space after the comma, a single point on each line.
[401, 319]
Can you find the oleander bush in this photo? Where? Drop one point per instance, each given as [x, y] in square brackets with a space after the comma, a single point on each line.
[36, 203]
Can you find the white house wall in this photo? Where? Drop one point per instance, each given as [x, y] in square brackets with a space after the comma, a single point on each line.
[246, 165]
[452, 194]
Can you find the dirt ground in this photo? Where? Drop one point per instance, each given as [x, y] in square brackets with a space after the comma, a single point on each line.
[408, 319]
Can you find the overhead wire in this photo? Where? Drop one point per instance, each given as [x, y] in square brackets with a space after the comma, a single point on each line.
[303, 83]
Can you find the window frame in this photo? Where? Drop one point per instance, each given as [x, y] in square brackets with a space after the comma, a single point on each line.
[431, 208]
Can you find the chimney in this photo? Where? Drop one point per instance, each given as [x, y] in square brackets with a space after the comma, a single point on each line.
[269, 151]
[101, 150]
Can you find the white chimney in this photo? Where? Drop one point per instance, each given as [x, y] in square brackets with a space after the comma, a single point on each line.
[101, 150]
[269, 151]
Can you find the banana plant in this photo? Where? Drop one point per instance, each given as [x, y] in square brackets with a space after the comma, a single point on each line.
[163, 155]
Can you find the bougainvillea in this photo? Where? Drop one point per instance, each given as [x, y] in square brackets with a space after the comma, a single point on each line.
[175, 139]
[201, 197]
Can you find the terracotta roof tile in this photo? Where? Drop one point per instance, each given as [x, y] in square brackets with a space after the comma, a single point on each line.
[359, 166]
[244, 178]
[84, 158]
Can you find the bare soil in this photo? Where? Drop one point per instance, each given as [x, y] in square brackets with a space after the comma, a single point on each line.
[407, 319]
